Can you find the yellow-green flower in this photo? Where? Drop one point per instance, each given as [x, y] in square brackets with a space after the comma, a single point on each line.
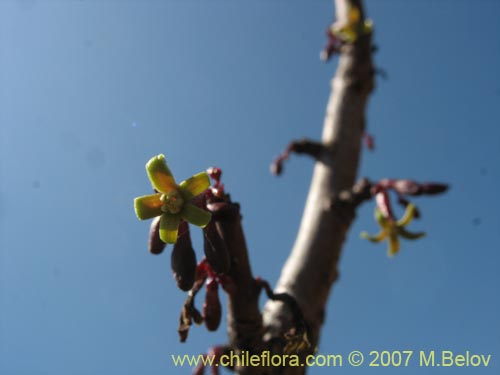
[392, 229]
[172, 202]
[354, 28]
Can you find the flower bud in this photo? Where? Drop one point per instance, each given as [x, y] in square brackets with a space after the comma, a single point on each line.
[215, 173]
[183, 259]
[433, 188]
[369, 141]
[212, 310]
[407, 187]
[384, 204]
[156, 245]
[276, 167]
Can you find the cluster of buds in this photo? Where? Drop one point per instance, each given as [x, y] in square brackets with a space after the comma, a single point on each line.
[391, 228]
[212, 310]
[172, 207]
[347, 33]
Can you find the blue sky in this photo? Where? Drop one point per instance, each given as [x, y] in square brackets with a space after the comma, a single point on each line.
[90, 90]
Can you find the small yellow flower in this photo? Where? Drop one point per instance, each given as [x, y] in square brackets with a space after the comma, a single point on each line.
[354, 28]
[172, 202]
[392, 229]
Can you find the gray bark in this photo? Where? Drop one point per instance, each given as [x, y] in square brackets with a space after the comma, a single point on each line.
[312, 266]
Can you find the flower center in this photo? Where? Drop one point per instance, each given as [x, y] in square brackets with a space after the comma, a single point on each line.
[172, 202]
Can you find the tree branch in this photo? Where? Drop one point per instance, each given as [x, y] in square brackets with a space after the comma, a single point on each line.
[311, 268]
[244, 319]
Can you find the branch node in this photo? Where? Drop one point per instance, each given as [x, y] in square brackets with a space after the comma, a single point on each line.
[297, 337]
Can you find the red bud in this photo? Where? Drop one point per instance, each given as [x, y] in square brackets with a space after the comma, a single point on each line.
[433, 188]
[212, 310]
[183, 259]
[276, 167]
[156, 245]
[215, 173]
[369, 141]
[407, 187]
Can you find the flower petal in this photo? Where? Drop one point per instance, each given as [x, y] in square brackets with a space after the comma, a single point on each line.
[148, 206]
[408, 215]
[377, 238]
[382, 221]
[410, 235]
[169, 226]
[195, 185]
[195, 215]
[393, 244]
[159, 174]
